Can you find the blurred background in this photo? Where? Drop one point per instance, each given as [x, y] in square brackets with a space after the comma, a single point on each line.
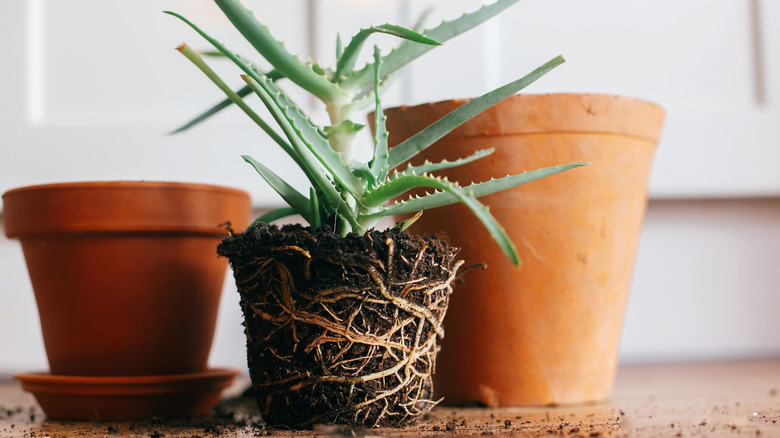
[90, 88]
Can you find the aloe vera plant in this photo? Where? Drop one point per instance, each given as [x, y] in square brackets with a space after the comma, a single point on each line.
[356, 193]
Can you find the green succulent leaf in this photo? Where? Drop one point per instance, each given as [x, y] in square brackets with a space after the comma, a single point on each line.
[320, 70]
[317, 141]
[410, 51]
[291, 196]
[495, 229]
[403, 183]
[273, 50]
[234, 97]
[350, 193]
[346, 61]
[347, 127]
[315, 218]
[425, 138]
[406, 223]
[212, 53]
[378, 164]
[361, 170]
[366, 99]
[242, 92]
[238, 61]
[429, 167]
[440, 199]
[313, 168]
[339, 47]
[405, 33]
[274, 215]
[281, 109]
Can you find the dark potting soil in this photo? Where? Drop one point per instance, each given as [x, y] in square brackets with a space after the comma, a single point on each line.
[341, 329]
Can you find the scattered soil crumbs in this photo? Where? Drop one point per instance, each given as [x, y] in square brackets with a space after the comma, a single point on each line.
[239, 417]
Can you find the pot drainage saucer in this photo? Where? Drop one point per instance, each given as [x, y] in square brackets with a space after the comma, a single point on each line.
[117, 398]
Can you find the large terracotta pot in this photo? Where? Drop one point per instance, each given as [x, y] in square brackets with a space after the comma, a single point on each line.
[126, 275]
[548, 332]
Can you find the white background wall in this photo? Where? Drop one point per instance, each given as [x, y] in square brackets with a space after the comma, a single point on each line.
[707, 283]
[89, 87]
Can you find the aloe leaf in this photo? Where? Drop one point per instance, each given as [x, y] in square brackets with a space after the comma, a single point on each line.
[366, 99]
[397, 186]
[440, 199]
[425, 138]
[275, 214]
[314, 173]
[341, 136]
[308, 162]
[315, 219]
[404, 225]
[339, 47]
[378, 164]
[429, 167]
[243, 65]
[346, 62]
[410, 51]
[315, 140]
[233, 96]
[494, 228]
[347, 127]
[237, 60]
[291, 196]
[404, 183]
[406, 33]
[212, 53]
[259, 36]
[361, 170]
[243, 92]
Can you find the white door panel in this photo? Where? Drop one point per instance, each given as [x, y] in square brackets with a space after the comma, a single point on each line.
[90, 87]
[696, 58]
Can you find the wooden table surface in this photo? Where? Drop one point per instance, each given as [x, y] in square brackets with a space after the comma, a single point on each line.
[687, 400]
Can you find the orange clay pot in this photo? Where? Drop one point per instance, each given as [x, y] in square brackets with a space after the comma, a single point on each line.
[126, 274]
[548, 332]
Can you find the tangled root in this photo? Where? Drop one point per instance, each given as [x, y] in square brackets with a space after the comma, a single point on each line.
[341, 330]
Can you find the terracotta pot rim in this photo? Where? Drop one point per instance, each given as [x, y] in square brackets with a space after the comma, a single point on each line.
[110, 207]
[122, 184]
[530, 96]
[563, 113]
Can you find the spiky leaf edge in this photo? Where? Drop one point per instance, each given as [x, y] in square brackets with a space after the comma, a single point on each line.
[410, 51]
[404, 183]
[259, 36]
[303, 159]
[310, 164]
[346, 61]
[441, 199]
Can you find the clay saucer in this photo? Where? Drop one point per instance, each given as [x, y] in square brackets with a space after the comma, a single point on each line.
[113, 398]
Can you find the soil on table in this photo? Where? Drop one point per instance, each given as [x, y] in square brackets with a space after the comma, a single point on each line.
[341, 329]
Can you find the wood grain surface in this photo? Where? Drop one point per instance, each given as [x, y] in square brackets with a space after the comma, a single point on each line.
[675, 400]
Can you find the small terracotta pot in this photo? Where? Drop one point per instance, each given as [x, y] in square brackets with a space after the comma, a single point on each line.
[125, 274]
[548, 332]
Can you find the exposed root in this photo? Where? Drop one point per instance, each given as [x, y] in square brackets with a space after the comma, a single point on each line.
[341, 330]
